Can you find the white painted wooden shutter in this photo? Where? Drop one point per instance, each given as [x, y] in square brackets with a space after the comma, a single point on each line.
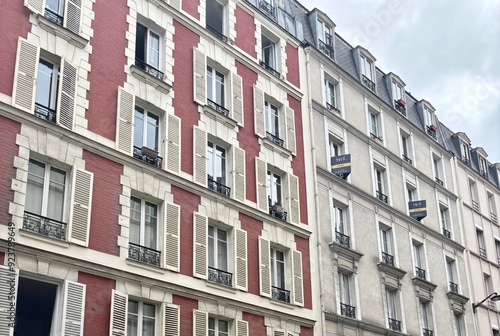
[241, 328]
[265, 266]
[279, 333]
[172, 217]
[298, 289]
[241, 259]
[67, 95]
[36, 6]
[293, 186]
[73, 15]
[23, 95]
[174, 144]
[239, 191]
[237, 98]
[200, 70]
[8, 297]
[200, 264]
[200, 156]
[171, 320]
[81, 206]
[119, 307]
[261, 172]
[200, 323]
[125, 124]
[258, 102]
[73, 308]
[290, 130]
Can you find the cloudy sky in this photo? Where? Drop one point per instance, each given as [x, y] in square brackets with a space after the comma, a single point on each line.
[446, 51]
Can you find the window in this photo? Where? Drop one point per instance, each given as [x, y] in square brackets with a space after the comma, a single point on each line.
[47, 84]
[143, 236]
[217, 327]
[346, 307]
[215, 15]
[374, 126]
[459, 325]
[397, 91]
[473, 196]
[443, 214]
[386, 245]
[380, 185]
[324, 38]
[216, 88]
[452, 277]
[464, 148]
[497, 247]
[428, 117]
[492, 207]
[411, 193]
[141, 320]
[341, 226]
[425, 309]
[278, 276]
[437, 166]
[216, 168]
[146, 136]
[272, 123]
[217, 256]
[273, 188]
[366, 68]
[148, 51]
[419, 257]
[406, 148]
[393, 310]
[335, 149]
[269, 55]
[488, 286]
[330, 95]
[483, 167]
[480, 243]
[54, 11]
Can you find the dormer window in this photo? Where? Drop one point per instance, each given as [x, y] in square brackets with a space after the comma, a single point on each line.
[324, 33]
[465, 151]
[430, 124]
[483, 167]
[367, 77]
[398, 97]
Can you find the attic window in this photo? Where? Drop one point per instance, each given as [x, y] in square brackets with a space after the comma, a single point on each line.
[483, 167]
[324, 33]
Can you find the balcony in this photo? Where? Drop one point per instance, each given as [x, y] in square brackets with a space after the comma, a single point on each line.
[44, 226]
[394, 324]
[267, 9]
[347, 310]
[368, 83]
[270, 69]
[219, 188]
[482, 252]
[144, 254]
[53, 17]
[45, 113]
[387, 259]
[280, 294]
[278, 211]
[438, 181]
[376, 137]
[427, 332]
[483, 173]
[220, 276]
[493, 217]
[432, 132]
[382, 197]
[342, 239]
[148, 156]
[217, 33]
[325, 49]
[401, 109]
[332, 107]
[453, 287]
[274, 139]
[407, 159]
[475, 206]
[446, 233]
[466, 160]
[218, 108]
[420, 273]
[149, 69]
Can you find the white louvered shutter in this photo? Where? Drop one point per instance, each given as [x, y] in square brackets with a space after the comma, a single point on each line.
[23, 95]
[293, 185]
[73, 308]
[200, 156]
[237, 98]
[298, 289]
[125, 124]
[200, 323]
[265, 266]
[8, 297]
[81, 207]
[261, 172]
[200, 69]
[73, 15]
[67, 95]
[239, 191]
[171, 320]
[241, 328]
[258, 102]
[200, 264]
[36, 6]
[119, 307]
[279, 333]
[290, 130]
[241, 259]
[172, 227]
[174, 144]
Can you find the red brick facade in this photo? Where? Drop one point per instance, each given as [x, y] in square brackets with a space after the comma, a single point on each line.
[245, 26]
[9, 129]
[292, 64]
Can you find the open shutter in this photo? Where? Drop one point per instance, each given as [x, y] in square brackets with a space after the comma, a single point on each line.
[119, 306]
[66, 95]
[36, 6]
[241, 259]
[239, 191]
[200, 246]
[171, 320]
[8, 296]
[293, 185]
[298, 289]
[125, 126]
[174, 144]
[237, 98]
[200, 156]
[258, 103]
[261, 171]
[200, 323]
[200, 69]
[81, 207]
[279, 333]
[73, 308]
[172, 227]
[290, 130]
[265, 266]
[73, 15]
[241, 328]
[23, 95]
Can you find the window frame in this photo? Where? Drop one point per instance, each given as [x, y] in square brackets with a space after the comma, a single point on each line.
[278, 191]
[215, 84]
[374, 124]
[393, 310]
[269, 59]
[397, 91]
[217, 159]
[365, 64]
[223, 17]
[345, 288]
[216, 331]
[61, 4]
[331, 95]
[147, 45]
[428, 117]
[145, 129]
[54, 85]
[481, 244]
[275, 279]
[380, 180]
[272, 117]
[142, 223]
[215, 251]
[141, 317]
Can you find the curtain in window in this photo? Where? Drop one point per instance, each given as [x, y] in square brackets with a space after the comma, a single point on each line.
[56, 194]
[34, 189]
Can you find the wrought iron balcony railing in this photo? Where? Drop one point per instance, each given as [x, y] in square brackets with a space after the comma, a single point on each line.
[453, 287]
[408, 160]
[217, 33]
[483, 173]
[274, 139]
[420, 273]
[382, 197]
[139, 154]
[348, 310]
[482, 252]
[270, 69]
[475, 206]
[278, 212]
[44, 226]
[220, 276]
[149, 69]
[438, 181]
[43, 112]
[144, 254]
[376, 137]
[493, 217]
[427, 332]
[332, 107]
[368, 83]
[431, 132]
[387, 259]
[280, 294]
[465, 160]
[325, 49]
[399, 108]
[219, 108]
[268, 9]
[342, 239]
[53, 16]
[219, 188]
[446, 233]
[394, 324]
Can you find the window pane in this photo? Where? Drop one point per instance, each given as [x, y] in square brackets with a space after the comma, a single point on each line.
[154, 50]
[139, 127]
[150, 226]
[223, 326]
[215, 15]
[210, 160]
[210, 83]
[55, 6]
[44, 84]
[34, 189]
[140, 42]
[152, 131]
[220, 164]
[135, 221]
[211, 247]
[222, 249]
[55, 204]
[219, 85]
[132, 319]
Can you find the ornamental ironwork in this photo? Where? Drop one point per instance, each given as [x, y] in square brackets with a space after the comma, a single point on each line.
[368, 83]
[217, 107]
[446, 233]
[53, 17]
[45, 113]
[220, 276]
[394, 324]
[139, 154]
[270, 69]
[342, 239]
[144, 254]
[325, 49]
[348, 310]
[217, 33]
[420, 273]
[274, 139]
[387, 259]
[219, 188]
[44, 226]
[278, 212]
[149, 69]
[382, 197]
[453, 287]
[280, 294]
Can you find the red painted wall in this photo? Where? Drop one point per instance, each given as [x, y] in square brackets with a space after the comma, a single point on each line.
[303, 247]
[187, 306]
[253, 228]
[14, 22]
[292, 63]
[185, 108]
[97, 304]
[9, 129]
[107, 65]
[256, 325]
[104, 228]
[191, 8]
[245, 31]
[2, 258]
[304, 331]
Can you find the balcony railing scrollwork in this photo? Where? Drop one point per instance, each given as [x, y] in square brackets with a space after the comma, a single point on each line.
[420, 273]
[325, 49]
[475, 206]
[348, 310]
[43, 112]
[382, 197]
[394, 324]
[278, 212]
[217, 33]
[387, 259]
[482, 252]
[219, 188]
[44, 226]
[453, 287]
[368, 83]
[148, 156]
[427, 332]
[408, 160]
[274, 139]
[220, 276]
[217, 107]
[342, 239]
[399, 108]
[438, 181]
[446, 233]
[53, 16]
[144, 254]
[430, 132]
[280, 294]
[270, 69]
[149, 69]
